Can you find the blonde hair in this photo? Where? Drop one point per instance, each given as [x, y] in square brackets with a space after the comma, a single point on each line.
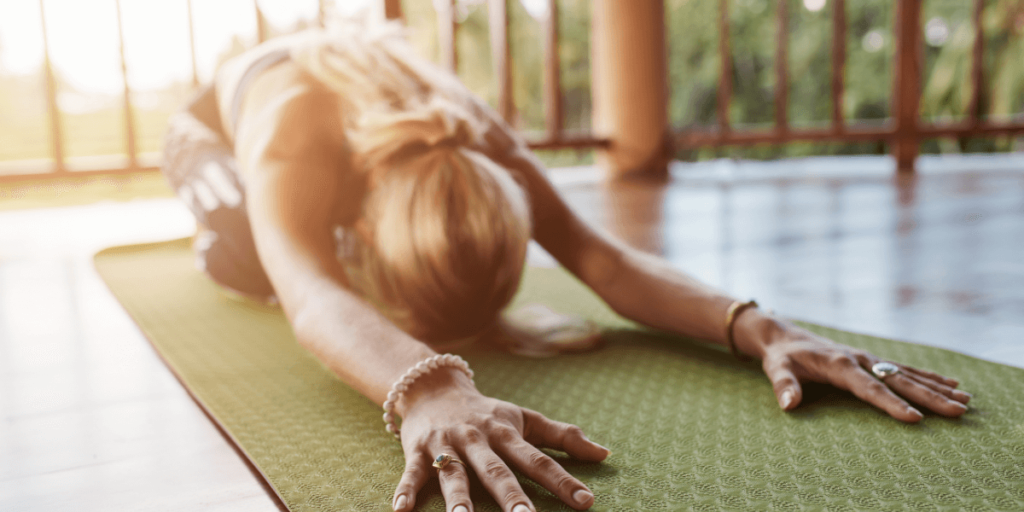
[446, 227]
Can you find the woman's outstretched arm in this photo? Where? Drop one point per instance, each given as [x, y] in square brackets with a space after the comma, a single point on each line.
[289, 145]
[648, 290]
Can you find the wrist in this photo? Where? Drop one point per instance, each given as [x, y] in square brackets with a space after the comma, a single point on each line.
[441, 383]
[754, 330]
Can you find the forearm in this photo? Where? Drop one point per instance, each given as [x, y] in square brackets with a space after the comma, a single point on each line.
[361, 346]
[648, 290]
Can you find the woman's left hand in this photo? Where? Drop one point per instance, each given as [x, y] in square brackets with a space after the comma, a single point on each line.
[792, 355]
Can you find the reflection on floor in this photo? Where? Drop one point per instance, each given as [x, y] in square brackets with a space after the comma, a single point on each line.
[92, 420]
[937, 260]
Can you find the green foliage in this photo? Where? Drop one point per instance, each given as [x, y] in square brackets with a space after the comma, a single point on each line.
[694, 69]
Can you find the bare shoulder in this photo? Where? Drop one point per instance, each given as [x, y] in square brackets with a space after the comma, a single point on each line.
[286, 114]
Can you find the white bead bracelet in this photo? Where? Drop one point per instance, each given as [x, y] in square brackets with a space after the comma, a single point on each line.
[402, 385]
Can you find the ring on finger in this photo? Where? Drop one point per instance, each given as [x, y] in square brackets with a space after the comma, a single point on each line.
[885, 369]
[444, 459]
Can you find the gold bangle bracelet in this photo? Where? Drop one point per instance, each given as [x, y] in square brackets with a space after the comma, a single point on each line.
[734, 311]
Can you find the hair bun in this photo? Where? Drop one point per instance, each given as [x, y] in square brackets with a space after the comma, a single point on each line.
[385, 139]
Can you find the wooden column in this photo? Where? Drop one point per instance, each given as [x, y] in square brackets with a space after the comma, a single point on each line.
[56, 127]
[261, 24]
[630, 87]
[447, 27]
[393, 9]
[907, 84]
[192, 45]
[129, 109]
[501, 58]
[552, 74]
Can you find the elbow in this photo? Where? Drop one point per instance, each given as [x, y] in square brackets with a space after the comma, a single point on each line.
[601, 269]
[306, 323]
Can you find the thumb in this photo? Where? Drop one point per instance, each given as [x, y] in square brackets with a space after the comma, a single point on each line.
[786, 386]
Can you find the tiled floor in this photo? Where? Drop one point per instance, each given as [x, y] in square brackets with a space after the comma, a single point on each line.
[92, 420]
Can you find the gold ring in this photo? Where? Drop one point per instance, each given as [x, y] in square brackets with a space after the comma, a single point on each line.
[442, 461]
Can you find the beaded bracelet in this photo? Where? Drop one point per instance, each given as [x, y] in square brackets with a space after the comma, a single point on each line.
[402, 385]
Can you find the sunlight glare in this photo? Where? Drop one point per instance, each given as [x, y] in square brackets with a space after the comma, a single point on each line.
[814, 5]
[156, 43]
[21, 38]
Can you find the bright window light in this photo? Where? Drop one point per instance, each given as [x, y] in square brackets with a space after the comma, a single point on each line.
[814, 5]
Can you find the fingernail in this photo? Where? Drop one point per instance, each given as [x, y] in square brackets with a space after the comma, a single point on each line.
[521, 508]
[401, 502]
[582, 496]
[787, 398]
[915, 413]
[460, 508]
[960, 406]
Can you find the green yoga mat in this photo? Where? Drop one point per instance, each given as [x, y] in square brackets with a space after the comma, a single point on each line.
[690, 427]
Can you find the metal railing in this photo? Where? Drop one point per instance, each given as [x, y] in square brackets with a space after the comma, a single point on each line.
[904, 132]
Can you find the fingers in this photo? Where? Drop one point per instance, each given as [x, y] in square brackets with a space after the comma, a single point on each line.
[454, 481]
[930, 375]
[874, 392]
[938, 387]
[497, 478]
[417, 471]
[545, 471]
[541, 431]
[787, 388]
[925, 396]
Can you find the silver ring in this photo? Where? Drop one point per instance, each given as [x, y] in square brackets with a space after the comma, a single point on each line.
[884, 369]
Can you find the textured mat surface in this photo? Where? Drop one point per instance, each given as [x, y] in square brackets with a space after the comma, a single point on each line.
[690, 427]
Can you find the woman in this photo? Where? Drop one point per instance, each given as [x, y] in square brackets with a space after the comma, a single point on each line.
[388, 210]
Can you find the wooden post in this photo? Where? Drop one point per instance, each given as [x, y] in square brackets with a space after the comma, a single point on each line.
[447, 27]
[261, 26]
[782, 68]
[552, 75]
[393, 9]
[724, 67]
[907, 84]
[56, 128]
[192, 45]
[838, 64]
[129, 110]
[630, 87]
[977, 65]
[501, 59]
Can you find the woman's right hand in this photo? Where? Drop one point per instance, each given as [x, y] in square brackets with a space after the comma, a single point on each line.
[444, 413]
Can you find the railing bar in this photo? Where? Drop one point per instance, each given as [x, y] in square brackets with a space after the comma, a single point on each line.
[56, 129]
[552, 74]
[569, 142]
[977, 64]
[14, 178]
[261, 29]
[838, 64]
[500, 57]
[695, 138]
[688, 139]
[725, 64]
[782, 67]
[392, 9]
[192, 44]
[129, 118]
[446, 34]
